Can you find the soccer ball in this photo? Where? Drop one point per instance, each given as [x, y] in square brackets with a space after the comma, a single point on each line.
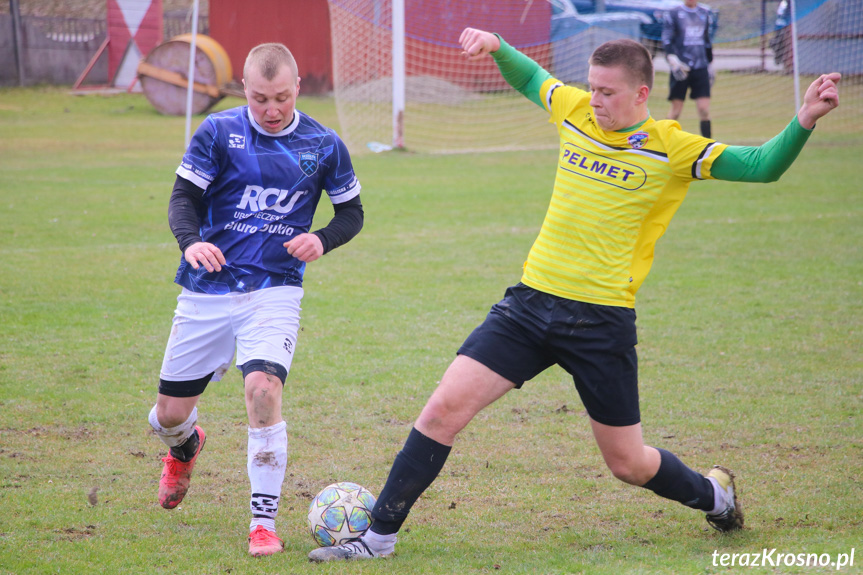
[341, 512]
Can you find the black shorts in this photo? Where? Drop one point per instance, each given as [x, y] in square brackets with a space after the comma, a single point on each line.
[697, 81]
[529, 331]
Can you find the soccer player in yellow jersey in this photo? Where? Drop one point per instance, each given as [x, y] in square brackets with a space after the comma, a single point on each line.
[621, 175]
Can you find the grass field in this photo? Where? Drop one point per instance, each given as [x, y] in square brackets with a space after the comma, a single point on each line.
[750, 328]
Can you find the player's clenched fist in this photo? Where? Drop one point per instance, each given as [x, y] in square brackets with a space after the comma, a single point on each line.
[821, 97]
[305, 247]
[205, 254]
[478, 43]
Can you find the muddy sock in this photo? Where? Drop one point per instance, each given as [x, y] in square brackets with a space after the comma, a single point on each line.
[267, 461]
[416, 466]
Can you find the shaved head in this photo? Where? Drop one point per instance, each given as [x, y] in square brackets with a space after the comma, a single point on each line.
[268, 59]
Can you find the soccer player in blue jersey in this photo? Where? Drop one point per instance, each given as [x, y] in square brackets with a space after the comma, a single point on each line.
[241, 209]
[686, 41]
[621, 175]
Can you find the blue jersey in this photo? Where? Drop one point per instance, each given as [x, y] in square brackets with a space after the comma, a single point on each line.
[260, 190]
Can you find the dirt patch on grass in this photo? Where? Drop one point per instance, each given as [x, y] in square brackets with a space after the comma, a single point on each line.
[77, 533]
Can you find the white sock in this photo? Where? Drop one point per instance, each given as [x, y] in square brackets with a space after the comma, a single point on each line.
[174, 436]
[268, 524]
[718, 497]
[380, 544]
[267, 461]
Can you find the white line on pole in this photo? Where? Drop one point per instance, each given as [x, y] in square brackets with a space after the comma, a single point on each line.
[795, 54]
[191, 77]
[398, 73]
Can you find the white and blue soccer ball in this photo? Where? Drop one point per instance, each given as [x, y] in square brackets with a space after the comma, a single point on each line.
[341, 512]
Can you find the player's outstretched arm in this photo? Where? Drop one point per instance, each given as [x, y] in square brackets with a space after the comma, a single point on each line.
[766, 163]
[477, 43]
[821, 97]
[519, 70]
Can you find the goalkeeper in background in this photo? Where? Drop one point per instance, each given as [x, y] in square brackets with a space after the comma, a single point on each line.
[621, 175]
[686, 41]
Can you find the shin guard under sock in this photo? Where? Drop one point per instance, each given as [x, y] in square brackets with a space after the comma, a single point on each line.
[187, 450]
[175, 437]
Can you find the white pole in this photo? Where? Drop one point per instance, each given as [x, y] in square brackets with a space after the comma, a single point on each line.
[795, 54]
[191, 77]
[398, 73]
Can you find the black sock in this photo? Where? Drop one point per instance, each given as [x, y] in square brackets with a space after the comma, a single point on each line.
[416, 466]
[676, 481]
[705, 128]
[186, 450]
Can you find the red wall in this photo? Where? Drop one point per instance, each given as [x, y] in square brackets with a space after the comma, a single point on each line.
[301, 25]
[304, 27]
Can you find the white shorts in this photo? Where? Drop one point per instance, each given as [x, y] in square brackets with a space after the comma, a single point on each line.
[261, 325]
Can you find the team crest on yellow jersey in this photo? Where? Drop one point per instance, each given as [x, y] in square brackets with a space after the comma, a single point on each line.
[638, 140]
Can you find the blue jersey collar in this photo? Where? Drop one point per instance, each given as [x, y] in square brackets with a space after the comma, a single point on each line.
[288, 129]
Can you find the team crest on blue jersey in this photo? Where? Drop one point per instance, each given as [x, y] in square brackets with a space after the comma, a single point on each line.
[236, 141]
[638, 140]
[308, 163]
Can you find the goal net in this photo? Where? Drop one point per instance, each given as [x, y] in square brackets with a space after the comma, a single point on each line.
[452, 105]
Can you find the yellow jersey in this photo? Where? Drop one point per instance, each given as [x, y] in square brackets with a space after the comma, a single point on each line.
[614, 196]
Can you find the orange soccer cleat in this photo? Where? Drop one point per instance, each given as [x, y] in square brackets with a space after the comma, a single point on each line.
[176, 474]
[263, 542]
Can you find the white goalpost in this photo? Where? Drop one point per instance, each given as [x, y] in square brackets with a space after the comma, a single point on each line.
[398, 73]
[400, 80]
[430, 99]
[796, 63]
[190, 84]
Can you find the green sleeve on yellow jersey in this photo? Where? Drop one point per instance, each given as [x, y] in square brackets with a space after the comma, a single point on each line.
[521, 72]
[763, 163]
